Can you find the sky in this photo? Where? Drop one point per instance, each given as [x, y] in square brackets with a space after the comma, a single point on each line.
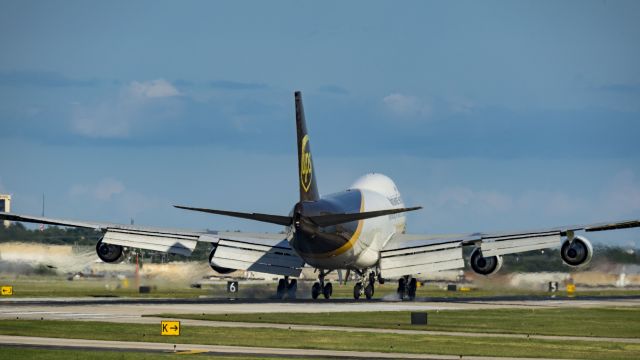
[493, 115]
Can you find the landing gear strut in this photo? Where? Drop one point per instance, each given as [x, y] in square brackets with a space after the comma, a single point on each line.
[320, 287]
[366, 287]
[287, 288]
[407, 287]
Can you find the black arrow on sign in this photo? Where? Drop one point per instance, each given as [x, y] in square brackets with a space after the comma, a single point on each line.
[174, 328]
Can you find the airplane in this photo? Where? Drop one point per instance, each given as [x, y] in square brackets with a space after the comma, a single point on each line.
[361, 230]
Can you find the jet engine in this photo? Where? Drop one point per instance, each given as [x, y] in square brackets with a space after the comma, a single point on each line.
[218, 269]
[576, 252]
[110, 253]
[484, 265]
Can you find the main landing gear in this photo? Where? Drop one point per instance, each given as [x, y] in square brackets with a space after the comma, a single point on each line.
[407, 287]
[320, 287]
[366, 287]
[287, 288]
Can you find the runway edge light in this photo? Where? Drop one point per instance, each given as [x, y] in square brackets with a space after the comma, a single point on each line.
[170, 328]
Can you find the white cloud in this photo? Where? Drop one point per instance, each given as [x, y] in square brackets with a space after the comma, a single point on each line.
[158, 88]
[407, 105]
[115, 117]
[109, 198]
[106, 120]
[104, 190]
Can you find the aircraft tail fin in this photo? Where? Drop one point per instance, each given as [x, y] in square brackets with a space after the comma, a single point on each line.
[306, 173]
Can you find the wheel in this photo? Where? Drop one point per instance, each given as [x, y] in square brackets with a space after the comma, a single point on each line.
[368, 291]
[315, 290]
[282, 287]
[327, 291]
[402, 288]
[292, 288]
[413, 286]
[357, 290]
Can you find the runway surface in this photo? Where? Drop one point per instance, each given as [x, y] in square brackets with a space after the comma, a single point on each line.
[96, 308]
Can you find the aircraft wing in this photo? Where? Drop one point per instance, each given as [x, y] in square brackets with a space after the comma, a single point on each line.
[268, 253]
[408, 254]
[174, 241]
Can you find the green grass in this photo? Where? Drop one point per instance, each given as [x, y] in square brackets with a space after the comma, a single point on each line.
[601, 322]
[44, 286]
[328, 340]
[10, 352]
[56, 286]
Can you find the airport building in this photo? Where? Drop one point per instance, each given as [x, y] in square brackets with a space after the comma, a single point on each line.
[5, 206]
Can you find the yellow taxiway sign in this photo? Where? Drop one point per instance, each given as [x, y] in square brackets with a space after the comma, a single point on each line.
[170, 328]
[7, 290]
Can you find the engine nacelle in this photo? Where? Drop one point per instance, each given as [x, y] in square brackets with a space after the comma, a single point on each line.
[484, 265]
[577, 252]
[218, 269]
[110, 253]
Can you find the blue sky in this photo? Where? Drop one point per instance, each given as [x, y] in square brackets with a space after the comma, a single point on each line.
[491, 115]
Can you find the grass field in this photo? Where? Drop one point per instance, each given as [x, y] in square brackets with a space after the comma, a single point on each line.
[329, 340]
[55, 354]
[600, 322]
[54, 286]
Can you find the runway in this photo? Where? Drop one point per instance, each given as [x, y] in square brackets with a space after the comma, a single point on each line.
[132, 309]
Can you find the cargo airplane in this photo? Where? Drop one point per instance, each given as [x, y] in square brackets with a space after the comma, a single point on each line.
[359, 230]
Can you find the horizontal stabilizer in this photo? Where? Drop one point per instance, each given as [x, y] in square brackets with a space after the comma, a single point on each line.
[273, 219]
[334, 219]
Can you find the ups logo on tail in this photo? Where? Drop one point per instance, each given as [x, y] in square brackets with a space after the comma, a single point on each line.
[306, 172]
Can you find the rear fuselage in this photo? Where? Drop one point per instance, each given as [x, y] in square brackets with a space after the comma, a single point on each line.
[351, 245]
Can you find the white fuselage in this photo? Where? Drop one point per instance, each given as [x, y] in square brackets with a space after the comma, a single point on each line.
[378, 193]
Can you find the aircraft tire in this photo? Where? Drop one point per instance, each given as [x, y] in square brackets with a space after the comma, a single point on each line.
[368, 291]
[292, 288]
[282, 288]
[413, 286]
[327, 291]
[402, 288]
[357, 289]
[315, 290]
